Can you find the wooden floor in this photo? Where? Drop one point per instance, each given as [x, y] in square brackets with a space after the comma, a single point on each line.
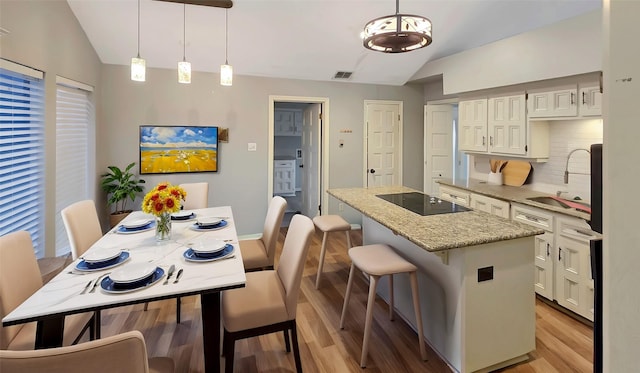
[562, 343]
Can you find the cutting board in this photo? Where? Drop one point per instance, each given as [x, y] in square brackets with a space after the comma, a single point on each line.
[515, 173]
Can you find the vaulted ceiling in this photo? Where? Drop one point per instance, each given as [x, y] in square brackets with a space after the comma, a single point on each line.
[304, 39]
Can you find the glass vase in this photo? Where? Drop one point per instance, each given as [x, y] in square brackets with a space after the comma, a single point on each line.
[163, 227]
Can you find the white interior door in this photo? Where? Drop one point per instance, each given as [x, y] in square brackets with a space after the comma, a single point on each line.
[311, 124]
[438, 146]
[384, 142]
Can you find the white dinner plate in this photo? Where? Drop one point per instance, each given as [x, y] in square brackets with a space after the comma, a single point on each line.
[101, 255]
[109, 286]
[208, 221]
[183, 214]
[205, 228]
[208, 246]
[132, 272]
[191, 256]
[136, 223]
[99, 266]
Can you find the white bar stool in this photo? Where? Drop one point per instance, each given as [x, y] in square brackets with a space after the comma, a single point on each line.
[330, 223]
[376, 261]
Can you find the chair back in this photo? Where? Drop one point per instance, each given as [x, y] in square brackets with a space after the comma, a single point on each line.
[197, 195]
[19, 279]
[82, 225]
[124, 352]
[272, 224]
[292, 259]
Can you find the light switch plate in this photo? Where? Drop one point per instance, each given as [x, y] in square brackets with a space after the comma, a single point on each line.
[252, 147]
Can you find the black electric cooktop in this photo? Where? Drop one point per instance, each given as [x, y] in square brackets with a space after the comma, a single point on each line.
[422, 204]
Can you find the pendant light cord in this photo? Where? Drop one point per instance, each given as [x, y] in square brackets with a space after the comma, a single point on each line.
[226, 37]
[184, 31]
[138, 28]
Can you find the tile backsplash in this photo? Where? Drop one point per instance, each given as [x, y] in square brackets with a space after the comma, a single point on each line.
[564, 137]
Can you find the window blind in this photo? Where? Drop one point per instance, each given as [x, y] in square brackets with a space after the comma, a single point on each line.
[74, 121]
[22, 154]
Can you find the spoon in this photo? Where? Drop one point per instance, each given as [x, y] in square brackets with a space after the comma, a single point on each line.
[171, 269]
[178, 276]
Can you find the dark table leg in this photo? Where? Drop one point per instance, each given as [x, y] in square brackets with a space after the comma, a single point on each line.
[49, 333]
[210, 309]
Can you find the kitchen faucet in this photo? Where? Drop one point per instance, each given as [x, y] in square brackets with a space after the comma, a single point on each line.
[566, 168]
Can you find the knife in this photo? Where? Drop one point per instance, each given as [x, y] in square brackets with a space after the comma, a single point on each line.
[171, 269]
[178, 276]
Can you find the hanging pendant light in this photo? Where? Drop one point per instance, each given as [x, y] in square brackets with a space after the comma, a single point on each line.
[184, 67]
[397, 33]
[226, 71]
[138, 65]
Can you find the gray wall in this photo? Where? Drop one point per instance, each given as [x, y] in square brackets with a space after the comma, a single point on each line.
[243, 108]
[46, 36]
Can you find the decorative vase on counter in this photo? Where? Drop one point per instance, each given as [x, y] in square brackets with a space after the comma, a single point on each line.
[163, 227]
[495, 178]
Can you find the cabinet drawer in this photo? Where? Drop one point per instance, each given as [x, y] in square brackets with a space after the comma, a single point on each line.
[576, 229]
[454, 195]
[532, 216]
[286, 163]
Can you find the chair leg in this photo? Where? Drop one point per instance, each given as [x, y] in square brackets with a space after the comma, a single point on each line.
[321, 262]
[146, 306]
[287, 343]
[97, 322]
[368, 318]
[178, 310]
[416, 307]
[296, 348]
[348, 239]
[391, 297]
[347, 294]
[229, 347]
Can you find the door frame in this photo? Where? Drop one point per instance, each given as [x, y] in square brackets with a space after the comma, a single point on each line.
[365, 145]
[324, 144]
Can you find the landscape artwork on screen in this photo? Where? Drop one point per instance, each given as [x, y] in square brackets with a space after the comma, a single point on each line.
[178, 149]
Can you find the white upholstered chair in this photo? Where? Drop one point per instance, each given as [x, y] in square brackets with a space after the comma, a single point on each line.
[197, 195]
[82, 225]
[268, 302]
[260, 253]
[126, 352]
[19, 278]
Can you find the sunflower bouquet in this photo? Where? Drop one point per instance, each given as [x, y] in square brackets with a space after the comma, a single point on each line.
[161, 201]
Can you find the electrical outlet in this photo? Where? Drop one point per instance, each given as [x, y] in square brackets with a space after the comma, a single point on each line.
[341, 207]
[252, 147]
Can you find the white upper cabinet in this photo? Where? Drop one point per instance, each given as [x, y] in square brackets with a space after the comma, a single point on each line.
[287, 122]
[578, 100]
[507, 124]
[590, 100]
[473, 125]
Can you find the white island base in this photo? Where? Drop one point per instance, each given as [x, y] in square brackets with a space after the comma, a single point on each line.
[478, 303]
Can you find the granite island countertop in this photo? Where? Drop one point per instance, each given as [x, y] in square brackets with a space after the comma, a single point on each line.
[512, 194]
[434, 232]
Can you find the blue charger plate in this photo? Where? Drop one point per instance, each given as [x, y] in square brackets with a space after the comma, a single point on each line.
[122, 230]
[205, 228]
[109, 286]
[99, 266]
[191, 256]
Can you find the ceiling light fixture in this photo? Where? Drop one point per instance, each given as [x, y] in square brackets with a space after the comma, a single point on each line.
[397, 33]
[226, 71]
[138, 65]
[184, 67]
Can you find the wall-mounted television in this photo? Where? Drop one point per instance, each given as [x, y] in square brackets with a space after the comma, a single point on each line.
[178, 149]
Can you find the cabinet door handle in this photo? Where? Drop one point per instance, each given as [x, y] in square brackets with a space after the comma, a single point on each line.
[559, 253]
[584, 98]
[573, 99]
[491, 140]
[483, 140]
[548, 252]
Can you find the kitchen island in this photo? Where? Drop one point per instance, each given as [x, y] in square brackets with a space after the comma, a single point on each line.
[475, 276]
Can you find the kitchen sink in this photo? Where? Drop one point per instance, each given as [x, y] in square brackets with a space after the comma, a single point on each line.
[558, 202]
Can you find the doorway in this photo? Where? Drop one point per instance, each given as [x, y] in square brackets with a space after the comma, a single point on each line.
[298, 160]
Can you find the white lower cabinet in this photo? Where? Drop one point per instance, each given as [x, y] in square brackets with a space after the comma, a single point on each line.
[284, 177]
[491, 205]
[454, 195]
[574, 286]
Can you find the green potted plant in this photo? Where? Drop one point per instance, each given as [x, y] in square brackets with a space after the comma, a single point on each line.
[120, 185]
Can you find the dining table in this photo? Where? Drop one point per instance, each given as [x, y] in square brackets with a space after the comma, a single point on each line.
[132, 249]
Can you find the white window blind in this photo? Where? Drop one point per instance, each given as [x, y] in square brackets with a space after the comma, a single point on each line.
[22, 153]
[74, 122]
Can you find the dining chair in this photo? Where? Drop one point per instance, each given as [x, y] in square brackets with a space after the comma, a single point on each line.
[259, 253]
[19, 278]
[126, 352]
[197, 195]
[82, 225]
[268, 302]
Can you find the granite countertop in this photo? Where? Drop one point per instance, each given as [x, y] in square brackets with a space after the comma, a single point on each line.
[512, 194]
[434, 232]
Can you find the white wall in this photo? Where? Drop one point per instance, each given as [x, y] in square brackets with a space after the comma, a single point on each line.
[570, 47]
[620, 186]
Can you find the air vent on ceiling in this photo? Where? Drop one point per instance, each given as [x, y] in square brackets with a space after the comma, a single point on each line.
[343, 75]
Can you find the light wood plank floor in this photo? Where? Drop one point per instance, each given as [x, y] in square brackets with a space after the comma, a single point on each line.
[562, 343]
